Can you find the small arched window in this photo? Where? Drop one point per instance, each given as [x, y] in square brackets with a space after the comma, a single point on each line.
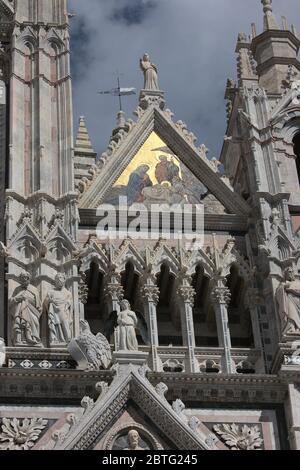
[296, 142]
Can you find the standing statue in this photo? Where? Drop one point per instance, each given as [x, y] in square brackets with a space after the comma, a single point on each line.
[288, 300]
[90, 351]
[59, 307]
[124, 325]
[26, 312]
[150, 74]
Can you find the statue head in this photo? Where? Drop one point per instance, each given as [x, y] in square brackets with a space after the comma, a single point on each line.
[163, 158]
[24, 279]
[133, 439]
[146, 57]
[125, 305]
[289, 274]
[60, 280]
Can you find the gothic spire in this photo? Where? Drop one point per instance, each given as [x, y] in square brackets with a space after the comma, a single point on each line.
[269, 18]
[83, 141]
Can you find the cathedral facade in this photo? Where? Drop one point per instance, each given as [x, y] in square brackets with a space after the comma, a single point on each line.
[148, 300]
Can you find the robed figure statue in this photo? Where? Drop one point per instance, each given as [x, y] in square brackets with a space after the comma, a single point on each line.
[288, 301]
[150, 74]
[25, 305]
[124, 325]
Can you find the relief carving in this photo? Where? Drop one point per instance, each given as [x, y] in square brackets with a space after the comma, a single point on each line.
[17, 434]
[240, 437]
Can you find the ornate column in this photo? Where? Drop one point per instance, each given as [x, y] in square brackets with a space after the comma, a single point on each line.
[220, 298]
[150, 294]
[186, 294]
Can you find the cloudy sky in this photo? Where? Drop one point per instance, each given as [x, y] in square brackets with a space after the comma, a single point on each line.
[192, 42]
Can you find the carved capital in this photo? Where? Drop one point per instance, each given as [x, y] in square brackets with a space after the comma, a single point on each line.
[151, 293]
[187, 293]
[221, 295]
[114, 291]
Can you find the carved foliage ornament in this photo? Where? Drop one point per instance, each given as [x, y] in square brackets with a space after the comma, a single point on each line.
[240, 437]
[17, 434]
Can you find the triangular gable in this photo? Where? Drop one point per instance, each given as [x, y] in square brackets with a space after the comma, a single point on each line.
[155, 135]
[132, 387]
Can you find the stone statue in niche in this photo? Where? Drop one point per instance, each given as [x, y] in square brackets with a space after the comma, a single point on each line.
[59, 307]
[150, 74]
[132, 441]
[90, 351]
[124, 324]
[288, 301]
[26, 311]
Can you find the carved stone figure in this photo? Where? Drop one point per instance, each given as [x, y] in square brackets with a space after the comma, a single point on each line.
[124, 324]
[2, 352]
[125, 331]
[26, 311]
[288, 300]
[133, 440]
[59, 307]
[90, 351]
[150, 73]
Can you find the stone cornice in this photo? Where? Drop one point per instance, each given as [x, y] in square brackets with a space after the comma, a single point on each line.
[221, 222]
[212, 388]
[38, 195]
[277, 34]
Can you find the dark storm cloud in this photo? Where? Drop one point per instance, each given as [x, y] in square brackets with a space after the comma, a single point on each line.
[192, 42]
[132, 12]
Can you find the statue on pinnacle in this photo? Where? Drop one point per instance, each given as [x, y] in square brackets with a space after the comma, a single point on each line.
[150, 73]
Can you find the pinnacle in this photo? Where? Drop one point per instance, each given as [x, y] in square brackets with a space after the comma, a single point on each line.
[269, 18]
[83, 141]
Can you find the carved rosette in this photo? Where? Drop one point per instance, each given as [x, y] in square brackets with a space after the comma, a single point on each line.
[151, 293]
[18, 434]
[221, 295]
